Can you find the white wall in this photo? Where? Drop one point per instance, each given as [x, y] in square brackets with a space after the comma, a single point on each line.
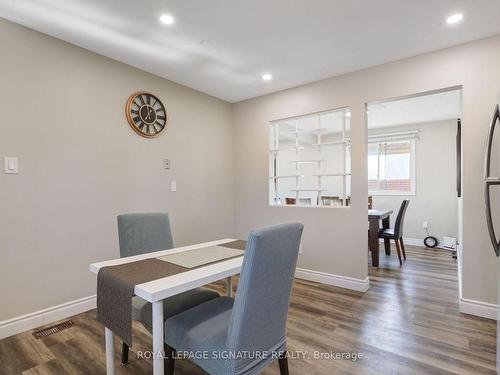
[63, 115]
[435, 198]
[333, 238]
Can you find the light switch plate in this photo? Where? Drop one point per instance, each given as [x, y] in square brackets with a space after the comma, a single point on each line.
[11, 165]
[173, 186]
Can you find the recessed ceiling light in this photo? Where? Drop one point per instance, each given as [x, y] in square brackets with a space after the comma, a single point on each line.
[166, 19]
[267, 77]
[454, 18]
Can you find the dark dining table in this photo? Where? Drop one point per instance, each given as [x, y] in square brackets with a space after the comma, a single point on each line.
[374, 219]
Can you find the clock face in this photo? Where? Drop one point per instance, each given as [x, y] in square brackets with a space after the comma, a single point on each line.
[146, 114]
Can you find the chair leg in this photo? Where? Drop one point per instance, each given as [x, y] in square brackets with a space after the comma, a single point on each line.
[387, 246]
[399, 252]
[169, 360]
[283, 362]
[402, 247]
[125, 350]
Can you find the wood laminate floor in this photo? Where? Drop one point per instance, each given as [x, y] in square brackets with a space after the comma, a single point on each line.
[407, 323]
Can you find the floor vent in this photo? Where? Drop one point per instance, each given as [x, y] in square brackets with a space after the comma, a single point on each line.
[54, 329]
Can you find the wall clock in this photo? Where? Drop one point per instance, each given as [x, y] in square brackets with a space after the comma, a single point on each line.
[146, 114]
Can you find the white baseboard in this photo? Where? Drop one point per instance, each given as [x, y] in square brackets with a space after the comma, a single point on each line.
[414, 241]
[410, 241]
[417, 242]
[478, 308]
[39, 318]
[335, 280]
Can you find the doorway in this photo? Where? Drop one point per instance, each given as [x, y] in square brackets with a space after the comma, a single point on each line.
[414, 154]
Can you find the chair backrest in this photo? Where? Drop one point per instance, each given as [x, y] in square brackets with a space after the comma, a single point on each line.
[305, 201]
[398, 225]
[144, 233]
[302, 201]
[260, 310]
[330, 200]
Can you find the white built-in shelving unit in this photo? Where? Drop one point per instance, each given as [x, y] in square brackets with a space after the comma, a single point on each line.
[293, 141]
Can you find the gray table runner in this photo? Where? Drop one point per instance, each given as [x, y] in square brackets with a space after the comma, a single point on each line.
[115, 289]
[238, 244]
[116, 284]
[202, 257]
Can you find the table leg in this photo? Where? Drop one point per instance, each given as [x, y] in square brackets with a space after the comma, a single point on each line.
[110, 351]
[158, 338]
[374, 247]
[387, 242]
[229, 286]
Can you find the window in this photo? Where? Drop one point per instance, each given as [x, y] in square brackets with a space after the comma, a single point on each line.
[391, 167]
[310, 160]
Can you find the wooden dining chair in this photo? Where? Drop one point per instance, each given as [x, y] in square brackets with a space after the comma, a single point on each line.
[396, 233]
[144, 233]
[254, 321]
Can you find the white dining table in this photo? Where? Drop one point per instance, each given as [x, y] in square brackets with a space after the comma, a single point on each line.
[157, 290]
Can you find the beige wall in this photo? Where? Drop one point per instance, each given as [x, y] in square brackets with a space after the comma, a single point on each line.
[435, 199]
[81, 165]
[333, 238]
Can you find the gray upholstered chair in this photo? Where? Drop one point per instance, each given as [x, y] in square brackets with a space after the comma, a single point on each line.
[145, 233]
[253, 322]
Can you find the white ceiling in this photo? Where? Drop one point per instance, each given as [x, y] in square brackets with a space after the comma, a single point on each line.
[419, 109]
[222, 47]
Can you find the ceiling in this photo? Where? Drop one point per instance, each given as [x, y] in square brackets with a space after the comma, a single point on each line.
[415, 110]
[223, 47]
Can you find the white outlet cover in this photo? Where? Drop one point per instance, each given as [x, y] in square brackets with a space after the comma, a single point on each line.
[11, 165]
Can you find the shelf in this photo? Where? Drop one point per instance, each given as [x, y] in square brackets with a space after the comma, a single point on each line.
[316, 130]
[308, 189]
[331, 174]
[307, 161]
[331, 143]
[288, 176]
[287, 149]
